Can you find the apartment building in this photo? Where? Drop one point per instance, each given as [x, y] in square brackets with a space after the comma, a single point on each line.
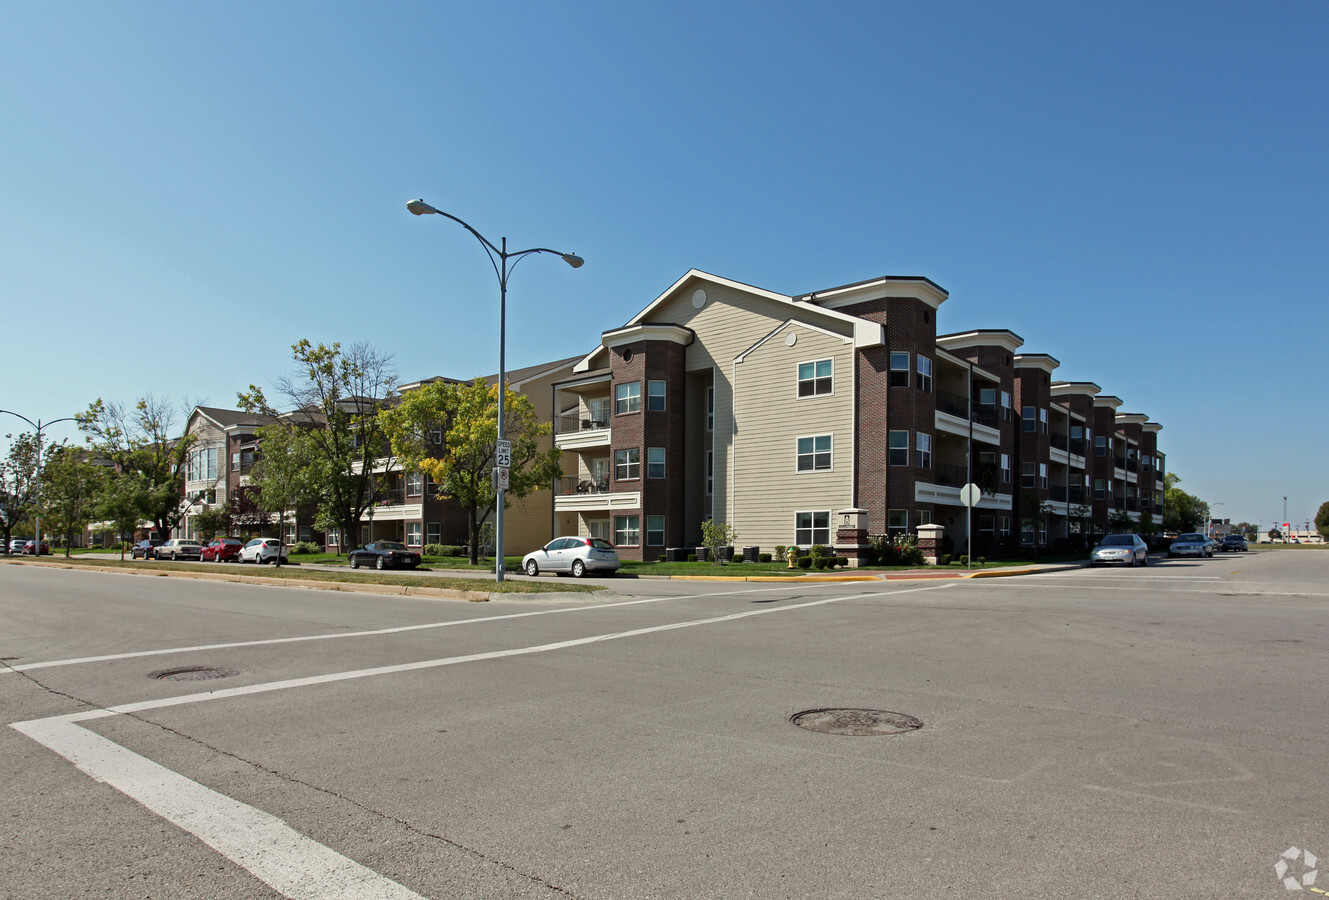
[780, 414]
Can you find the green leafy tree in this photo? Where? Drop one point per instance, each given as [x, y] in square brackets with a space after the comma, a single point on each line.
[1182, 512]
[215, 521]
[467, 415]
[1120, 522]
[281, 474]
[715, 535]
[71, 484]
[1322, 520]
[334, 397]
[1249, 531]
[17, 475]
[140, 441]
[121, 502]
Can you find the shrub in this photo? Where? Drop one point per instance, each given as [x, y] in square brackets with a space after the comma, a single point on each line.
[821, 562]
[842, 562]
[944, 559]
[692, 557]
[780, 550]
[662, 558]
[804, 562]
[982, 560]
[819, 551]
[737, 557]
[964, 559]
[435, 550]
[763, 557]
[305, 547]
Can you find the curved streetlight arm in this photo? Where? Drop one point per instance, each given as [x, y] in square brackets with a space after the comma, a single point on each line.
[37, 489]
[421, 208]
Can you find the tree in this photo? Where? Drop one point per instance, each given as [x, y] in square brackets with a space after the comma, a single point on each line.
[140, 442]
[71, 484]
[1182, 512]
[17, 473]
[280, 474]
[215, 521]
[334, 396]
[1120, 521]
[1249, 531]
[461, 466]
[1322, 520]
[715, 535]
[121, 502]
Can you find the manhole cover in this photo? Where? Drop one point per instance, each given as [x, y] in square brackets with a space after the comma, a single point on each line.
[855, 722]
[194, 673]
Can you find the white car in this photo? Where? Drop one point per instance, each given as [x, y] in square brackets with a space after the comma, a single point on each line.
[578, 555]
[263, 550]
[1124, 549]
[178, 548]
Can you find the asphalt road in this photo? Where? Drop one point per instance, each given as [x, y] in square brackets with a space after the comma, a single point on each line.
[1154, 732]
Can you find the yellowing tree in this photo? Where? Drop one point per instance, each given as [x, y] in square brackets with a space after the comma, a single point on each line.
[466, 417]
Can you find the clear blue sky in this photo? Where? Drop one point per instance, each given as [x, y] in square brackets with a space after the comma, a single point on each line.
[1139, 189]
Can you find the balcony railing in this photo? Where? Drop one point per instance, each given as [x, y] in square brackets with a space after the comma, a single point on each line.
[1075, 494]
[586, 485]
[950, 476]
[1059, 492]
[573, 423]
[1060, 441]
[958, 404]
[390, 497]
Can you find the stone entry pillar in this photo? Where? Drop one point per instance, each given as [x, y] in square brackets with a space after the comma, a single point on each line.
[851, 535]
[929, 541]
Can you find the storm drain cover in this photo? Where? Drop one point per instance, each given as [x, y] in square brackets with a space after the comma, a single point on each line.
[855, 722]
[195, 673]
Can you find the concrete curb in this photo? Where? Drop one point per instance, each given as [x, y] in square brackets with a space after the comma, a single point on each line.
[313, 585]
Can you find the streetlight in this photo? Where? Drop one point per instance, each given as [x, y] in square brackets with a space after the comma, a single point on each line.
[498, 258]
[37, 489]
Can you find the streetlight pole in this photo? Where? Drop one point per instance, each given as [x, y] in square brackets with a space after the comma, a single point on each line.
[37, 486]
[498, 258]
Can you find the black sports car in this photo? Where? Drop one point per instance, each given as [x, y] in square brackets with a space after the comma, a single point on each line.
[384, 555]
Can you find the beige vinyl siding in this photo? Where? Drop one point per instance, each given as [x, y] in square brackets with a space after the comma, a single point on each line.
[767, 487]
[729, 323]
[528, 523]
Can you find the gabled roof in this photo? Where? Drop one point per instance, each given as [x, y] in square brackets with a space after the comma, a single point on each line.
[230, 418]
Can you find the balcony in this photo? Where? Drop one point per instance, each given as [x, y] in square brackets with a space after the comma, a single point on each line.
[587, 485]
[1059, 493]
[589, 494]
[575, 432]
[958, 405]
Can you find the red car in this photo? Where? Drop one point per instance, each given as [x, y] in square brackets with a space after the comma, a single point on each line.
[222, 550]
[30, 548]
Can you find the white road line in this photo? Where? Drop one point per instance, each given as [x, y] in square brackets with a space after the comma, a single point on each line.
[292, 864]
[274, 852]
[110, 657]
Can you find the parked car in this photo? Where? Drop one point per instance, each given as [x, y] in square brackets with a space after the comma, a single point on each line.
[578, 555]
[145, 550]
[384, 555]
[263, 550]
[16, 545]
[1191, 545]
[1235, 543]
[180, 548]
[221, 550]
[1126, 549]
[30, 548]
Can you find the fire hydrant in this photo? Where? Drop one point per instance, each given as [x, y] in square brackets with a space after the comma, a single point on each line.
[792, 555]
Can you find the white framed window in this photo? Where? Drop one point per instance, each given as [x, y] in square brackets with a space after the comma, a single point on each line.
[1043, 421]
[899, 376]
[288, 534]
[923, 449]
[897, 448]
[655, 396]
[431, 489]
[414, 530]
[987, 397]
[415, 484]
[436, 436]
[601, 528]
[897, 520]
[1043, 475]
[627, 531]
[627, 397]
[1006, 405]
[710, 473]
[1004, 526]
[1005, 468]
[987, 523]
[655, 531]
[434, 533]
[655, 462]
[710, 409]
[1027, 475]
[924, 516]
[235, 462]
[814, 453]
[627, 464]
[1030, 416]
[812, 528]
[815, 379]
[924, 379]
[1100, 489]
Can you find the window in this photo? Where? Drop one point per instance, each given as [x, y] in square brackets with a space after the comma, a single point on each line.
[436, 436]
[899, 369]
[1030, 416]
[431, 489]
[600, 528]
[924, 516]
[1006, 405]
[655, 532]
[627, 531]
[413, 532]
[987, 396]
[655, 462]
[627, 464]
[987, 523]
[897, 451]
[1026, 475]
[655, 396]
[334, 537]
[897, 520]
[1004, 528]
[924, 374]
[710, 473]
[235, 462]
[288, 537]
[434, 533]
[627, 397]
[812, 528]
[710, 409]
[923, 446]
[1043, 475]
[1043, 421]
[1101, 445]
[415, 483]
[306, 533]
[814, 378]
[1100, 490]
[1005, 468]
[814, 453]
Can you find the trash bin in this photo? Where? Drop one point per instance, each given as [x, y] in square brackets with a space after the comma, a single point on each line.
[676, 554]
[703, 554]
[750, 554]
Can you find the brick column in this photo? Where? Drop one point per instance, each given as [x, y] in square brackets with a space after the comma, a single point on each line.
[851, 535]
[929, 541]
